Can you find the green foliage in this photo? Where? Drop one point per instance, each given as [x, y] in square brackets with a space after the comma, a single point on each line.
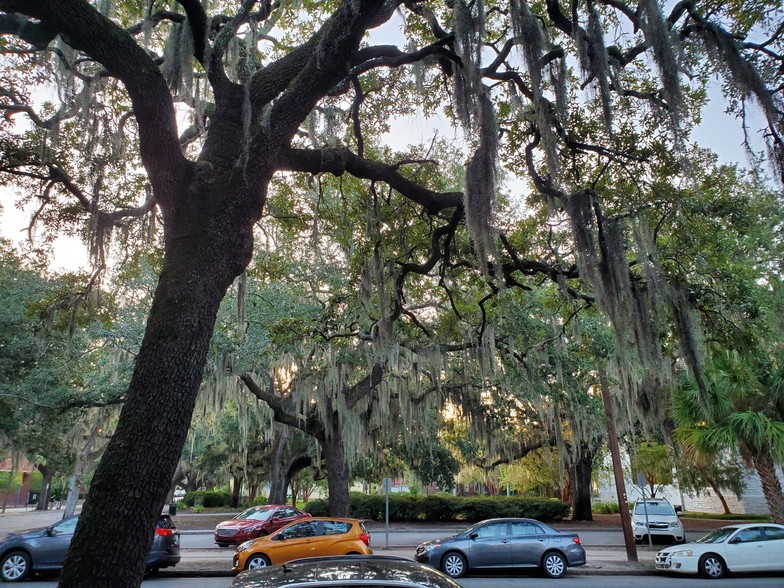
[207, 498]
[654, 462]
[605, 508]
[442, 508]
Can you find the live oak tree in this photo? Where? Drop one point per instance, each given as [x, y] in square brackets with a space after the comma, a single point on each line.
[502, 68]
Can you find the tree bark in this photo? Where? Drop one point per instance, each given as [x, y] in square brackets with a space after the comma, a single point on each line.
[337, 473]
[717, 491]
[205, 251]
[581, 488]
[235, 491]
[771, 487]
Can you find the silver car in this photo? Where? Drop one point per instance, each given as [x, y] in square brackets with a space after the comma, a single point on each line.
[504, 543]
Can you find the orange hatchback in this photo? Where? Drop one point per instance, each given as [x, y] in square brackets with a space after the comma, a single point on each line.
[306, 538]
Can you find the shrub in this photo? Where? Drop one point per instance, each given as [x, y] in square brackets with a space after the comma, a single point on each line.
[207, 498]
[442, 507]
[605, 508]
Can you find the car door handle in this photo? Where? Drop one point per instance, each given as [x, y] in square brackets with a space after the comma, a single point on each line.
[504, 540]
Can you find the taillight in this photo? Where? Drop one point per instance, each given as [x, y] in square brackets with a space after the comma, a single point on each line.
[576, 539]
[164, 532]
[365, 537]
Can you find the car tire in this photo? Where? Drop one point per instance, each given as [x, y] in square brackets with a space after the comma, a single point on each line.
[554, 564]
[454, 565]
[712, 566]
[223, 544]
[15, 566]
[257, 561]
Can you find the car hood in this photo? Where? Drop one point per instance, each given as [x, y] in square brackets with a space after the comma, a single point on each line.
[24, 535]
[441, 541]
[239, 523]
[695, 547]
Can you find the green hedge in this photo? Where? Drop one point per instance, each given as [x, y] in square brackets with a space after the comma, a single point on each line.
[207, 498]
[441, 507]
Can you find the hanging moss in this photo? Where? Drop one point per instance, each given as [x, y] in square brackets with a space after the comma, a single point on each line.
[663, 46]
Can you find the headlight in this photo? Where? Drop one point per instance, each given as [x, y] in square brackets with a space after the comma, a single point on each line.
[244, 546]
[683, 553]
[639, 524]
[676, 524]
[427, 548]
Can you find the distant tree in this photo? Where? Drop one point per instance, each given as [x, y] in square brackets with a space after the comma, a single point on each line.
[654, 462]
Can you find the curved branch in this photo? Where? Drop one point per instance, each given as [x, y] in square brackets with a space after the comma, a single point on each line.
[340, 160]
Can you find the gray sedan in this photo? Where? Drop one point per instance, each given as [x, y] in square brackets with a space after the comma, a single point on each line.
[504, 543]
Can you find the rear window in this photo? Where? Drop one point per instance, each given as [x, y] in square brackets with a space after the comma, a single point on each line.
[165, 522]
[336, 527]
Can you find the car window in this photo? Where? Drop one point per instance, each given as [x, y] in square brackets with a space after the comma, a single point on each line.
[285, 513]
[492, 530]
[654, 508]
[526, 528]
[165, 522]
[773, 533]
[336, 527]
[66, 526]
[256, 514]
[748, 535]
[717, 536]
[307, 529]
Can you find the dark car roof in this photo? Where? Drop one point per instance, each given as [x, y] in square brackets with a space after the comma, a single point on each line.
[366, 570]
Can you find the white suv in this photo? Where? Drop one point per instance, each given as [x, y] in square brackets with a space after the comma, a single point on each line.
[662, 520]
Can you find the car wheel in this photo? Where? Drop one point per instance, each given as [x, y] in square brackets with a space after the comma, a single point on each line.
[14, 566]
[554, 564]
[454, 565]
[712, 566]
[223, 544]
[257, 561]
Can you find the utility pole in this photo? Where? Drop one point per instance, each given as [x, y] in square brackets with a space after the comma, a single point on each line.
[620, 485]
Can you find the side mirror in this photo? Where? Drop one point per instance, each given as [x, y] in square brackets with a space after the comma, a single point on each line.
[735, 541]
[678, 509]
[473, 535]
[51, 532]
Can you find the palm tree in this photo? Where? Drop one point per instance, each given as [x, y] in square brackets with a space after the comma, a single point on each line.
[741, 413]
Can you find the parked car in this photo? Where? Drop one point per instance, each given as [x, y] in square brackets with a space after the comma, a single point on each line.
[40, 550]
[317, 536]
[662, 520]
[752, 547]
[256, 521]
[347, 571]
[504, 543]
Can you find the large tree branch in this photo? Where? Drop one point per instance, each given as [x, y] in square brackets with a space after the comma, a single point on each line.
[89, 31]
[340, 160]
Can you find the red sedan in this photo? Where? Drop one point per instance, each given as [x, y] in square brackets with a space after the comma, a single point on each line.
[256, 522]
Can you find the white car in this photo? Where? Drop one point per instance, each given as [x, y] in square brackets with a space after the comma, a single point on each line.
[753, 547]
[657, 517]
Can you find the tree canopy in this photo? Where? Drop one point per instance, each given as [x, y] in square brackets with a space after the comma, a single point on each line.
[170, 123]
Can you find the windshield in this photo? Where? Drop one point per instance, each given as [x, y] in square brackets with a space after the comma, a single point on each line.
[256, 514]
[654, 508]
[717, 536]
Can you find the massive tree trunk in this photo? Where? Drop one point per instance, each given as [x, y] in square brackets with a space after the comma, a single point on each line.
[205, 251]
[771, 487]
[337, 474]
[581, 486]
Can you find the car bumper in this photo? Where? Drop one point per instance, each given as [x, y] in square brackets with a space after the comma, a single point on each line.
[676, 533]
[683, 565]
[575, 556]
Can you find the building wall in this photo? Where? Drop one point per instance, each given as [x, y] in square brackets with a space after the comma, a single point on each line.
[17, 497]
[752, 501]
